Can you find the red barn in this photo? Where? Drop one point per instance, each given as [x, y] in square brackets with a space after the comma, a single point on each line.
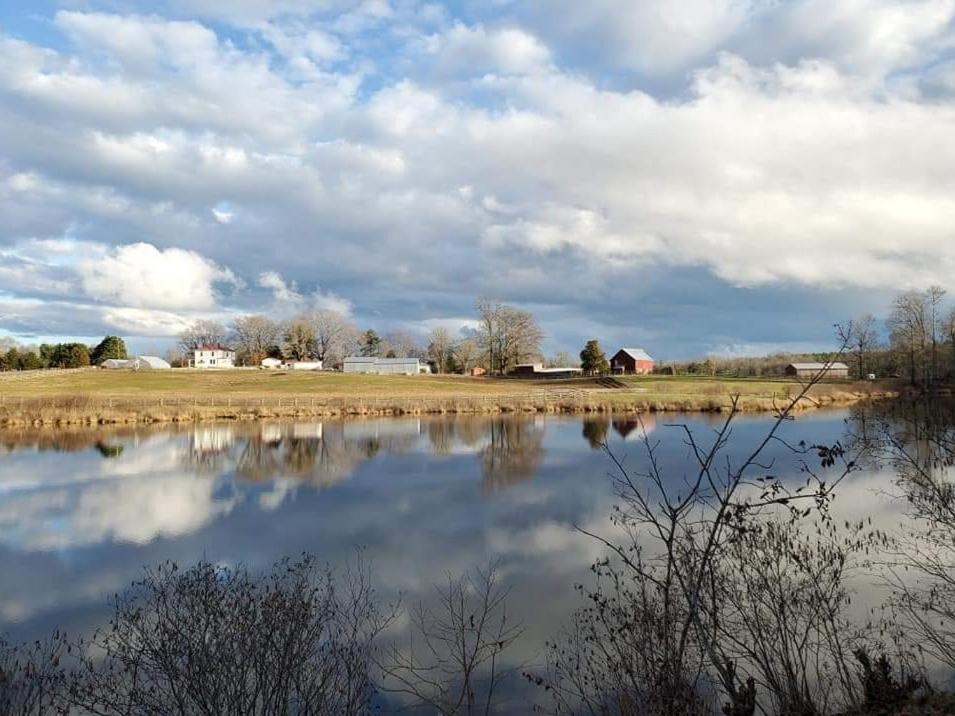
[631, 361]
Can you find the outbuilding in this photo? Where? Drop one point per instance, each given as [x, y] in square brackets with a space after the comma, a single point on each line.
[271, 363]
[305, 365]
[151, 363]
[631, 361]
[833, 371]
[382, 366]
[117, 364]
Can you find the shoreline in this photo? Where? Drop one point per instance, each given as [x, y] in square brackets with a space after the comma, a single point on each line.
[71, 411]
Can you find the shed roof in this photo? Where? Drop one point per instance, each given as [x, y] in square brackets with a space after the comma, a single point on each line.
[636, 353]
[819, 366]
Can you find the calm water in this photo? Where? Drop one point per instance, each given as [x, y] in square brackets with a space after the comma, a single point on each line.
[81, 513]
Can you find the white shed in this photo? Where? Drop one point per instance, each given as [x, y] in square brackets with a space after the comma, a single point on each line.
[117, 364]
[271, 363]
[150, 363]
[305, 365]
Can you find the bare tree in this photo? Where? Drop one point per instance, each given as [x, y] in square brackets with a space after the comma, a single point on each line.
[658, 632]
[299, 340]
[401, 343]
[863, 339]
[934, 296]
[33, 681]
[255, 337]
[335, 335]
[949, 330]
[202, 332]
[439, 348]
[508, 335]
[211, 640]
[908, 330]
[453, 664]
[466, 354]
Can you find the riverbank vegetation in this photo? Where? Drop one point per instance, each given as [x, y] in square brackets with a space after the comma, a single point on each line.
[91, 396]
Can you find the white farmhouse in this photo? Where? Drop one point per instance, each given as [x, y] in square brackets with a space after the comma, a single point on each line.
[213, 356]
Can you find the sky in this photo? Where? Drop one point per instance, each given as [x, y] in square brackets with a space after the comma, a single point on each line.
[705, 177]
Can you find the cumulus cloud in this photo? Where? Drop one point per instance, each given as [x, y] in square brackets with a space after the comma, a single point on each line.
[143, 276]
[464, 50]
[287, 299]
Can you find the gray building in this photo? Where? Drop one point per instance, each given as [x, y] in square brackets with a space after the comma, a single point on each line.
[382, 366]
[838, 371]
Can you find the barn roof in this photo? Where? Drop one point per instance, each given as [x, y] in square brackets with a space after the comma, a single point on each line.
[819, 366]
[636, 353]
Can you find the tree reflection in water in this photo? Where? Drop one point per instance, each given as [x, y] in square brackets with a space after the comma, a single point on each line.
[514, 453]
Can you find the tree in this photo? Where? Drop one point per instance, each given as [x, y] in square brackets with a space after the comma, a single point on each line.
[908, 329]
[593, 360]
[949, 327]
[255, 338]
[508, 335]
[863, 338]
[334, 334]
[370, 343]
[70, 355]
[202, 332]
[401, 343]
[562, 359]
[933, 298]
[109, 347]
[466, 353]
[440, 349]
[299, 340]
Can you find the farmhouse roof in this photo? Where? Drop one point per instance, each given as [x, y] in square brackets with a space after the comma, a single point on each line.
[213, 347]
[637, 353]
[819, 366]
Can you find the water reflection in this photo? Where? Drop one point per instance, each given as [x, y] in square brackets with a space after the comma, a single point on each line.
[425, 496]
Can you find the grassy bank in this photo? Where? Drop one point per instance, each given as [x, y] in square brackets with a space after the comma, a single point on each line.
[109, 397]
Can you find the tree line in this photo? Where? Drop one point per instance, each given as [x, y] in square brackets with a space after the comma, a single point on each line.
[505, 336]
[61, 355]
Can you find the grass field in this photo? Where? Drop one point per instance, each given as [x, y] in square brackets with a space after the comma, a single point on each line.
[104, 383]
[91, 395]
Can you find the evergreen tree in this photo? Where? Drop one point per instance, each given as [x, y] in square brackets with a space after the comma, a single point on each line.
[593, 360]
[109, 347]
[371, 344]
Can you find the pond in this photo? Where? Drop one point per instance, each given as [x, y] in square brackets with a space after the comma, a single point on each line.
[82, 512]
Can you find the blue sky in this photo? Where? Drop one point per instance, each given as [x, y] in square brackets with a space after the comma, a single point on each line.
[710, 176]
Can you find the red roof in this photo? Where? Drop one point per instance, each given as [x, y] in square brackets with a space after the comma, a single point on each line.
[213, 347]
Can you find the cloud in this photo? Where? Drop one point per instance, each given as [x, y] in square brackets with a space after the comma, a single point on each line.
[143, 276]
[397, 162]
[470, 51]
[287, 299]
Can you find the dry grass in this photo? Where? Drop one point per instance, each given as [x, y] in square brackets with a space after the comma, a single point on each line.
[97, 397]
